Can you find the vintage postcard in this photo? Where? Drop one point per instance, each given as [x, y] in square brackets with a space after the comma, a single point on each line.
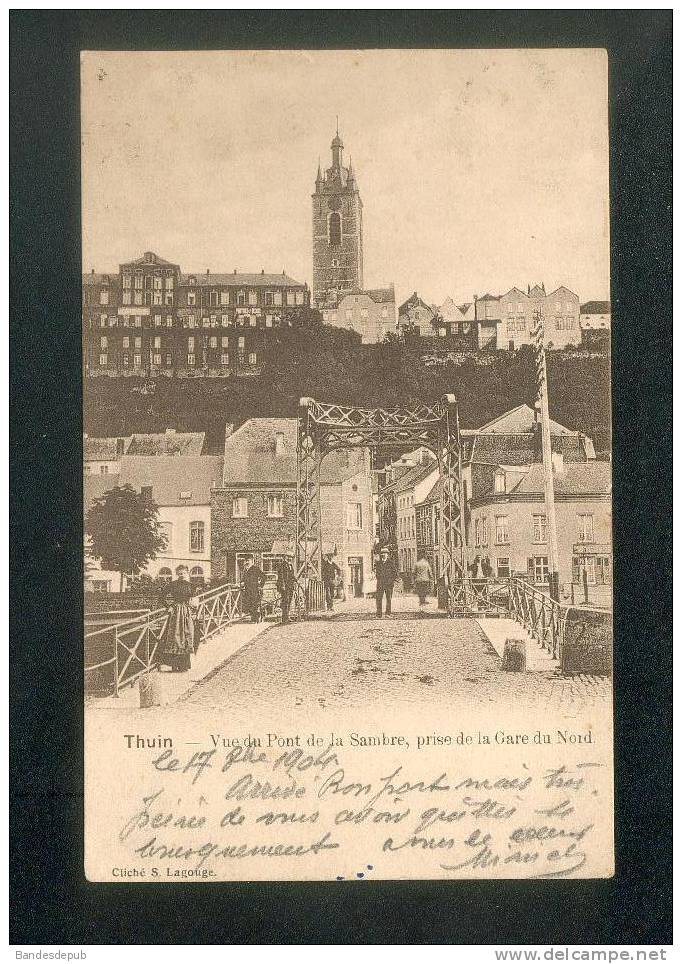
[347, 465]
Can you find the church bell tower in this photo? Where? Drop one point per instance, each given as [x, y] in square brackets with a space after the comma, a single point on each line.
[337, 231]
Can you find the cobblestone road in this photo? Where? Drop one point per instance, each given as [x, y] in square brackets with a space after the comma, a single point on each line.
[353, 660]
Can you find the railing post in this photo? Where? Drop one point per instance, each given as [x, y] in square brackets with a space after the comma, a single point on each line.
[116, 661]
[147, 643]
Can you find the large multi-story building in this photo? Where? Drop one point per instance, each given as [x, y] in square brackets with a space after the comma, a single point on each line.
[560, 311]
[254, 509]
[151, 319]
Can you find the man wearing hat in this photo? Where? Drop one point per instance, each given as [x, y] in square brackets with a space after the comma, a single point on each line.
[253, 580]
[286, 581]
[386, 574]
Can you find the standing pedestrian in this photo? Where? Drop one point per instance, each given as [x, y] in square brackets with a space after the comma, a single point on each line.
[330, 571]
[286, 580]
[177, 642]
[253, 581]
[386, 573]
[423, 577]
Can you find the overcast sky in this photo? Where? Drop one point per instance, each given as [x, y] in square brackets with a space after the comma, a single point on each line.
[478, 170]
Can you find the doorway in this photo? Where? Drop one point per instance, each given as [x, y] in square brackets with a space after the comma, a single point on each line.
[355, 576]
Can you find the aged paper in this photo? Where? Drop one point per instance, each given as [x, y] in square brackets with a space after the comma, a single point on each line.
[347, 480]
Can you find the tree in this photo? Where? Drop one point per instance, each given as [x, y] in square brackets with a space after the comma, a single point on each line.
[124, 530]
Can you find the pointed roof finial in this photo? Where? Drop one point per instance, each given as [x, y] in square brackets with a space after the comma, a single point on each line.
[337, 125]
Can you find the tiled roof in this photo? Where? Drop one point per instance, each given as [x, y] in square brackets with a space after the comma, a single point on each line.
[250, 455]
[92, 278]
[577, 478]
[167, 443]
[103, 449]
[413, 301]
[520, 449]
[519, 420]
[381, 295]
[253, 280]
[596, 308]
[465, 307]
[412, 477]
[489, 297]
[434, 494]
[562, 288]
[149, 257]
[170, 476]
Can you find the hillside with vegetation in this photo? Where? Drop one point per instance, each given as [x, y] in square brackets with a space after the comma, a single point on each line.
[335, 368]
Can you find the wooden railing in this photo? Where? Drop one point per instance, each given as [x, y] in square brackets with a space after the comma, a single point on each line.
[131, 647]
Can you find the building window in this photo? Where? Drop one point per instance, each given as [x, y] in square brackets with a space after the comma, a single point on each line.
[291, 300]
[126, 297]
[169, 360]
[364, 312]
[169, 321]
[335, 228]
[538, 569]
[224, 342]
[253, 358]
[278, 298]
[126, 280]
[214, 299]
[585, 528]
[240, 507]
[268, 298]
[196, 576]
[103, 343]
[539, 528]
[138, 343]
[500, 486]
[157, 321]
[196, 536]
[354, 516]
[241, 298]
[484, 531]
[191, 298]
[103, 361]
[157, 341]
[501, 530]
[126, 361]
[190, 321]
[213, 342]
[299, 298]
[253, 297]
[190, 360]
[225, 359]
[165, 575]
[503, 568]
[104, 296]
[137, 361]
[104, 470]
[100, 585]
[157, 298]
[157, 359]
[275, 506]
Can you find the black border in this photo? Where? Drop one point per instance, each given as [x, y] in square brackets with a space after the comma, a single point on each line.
[51, 901]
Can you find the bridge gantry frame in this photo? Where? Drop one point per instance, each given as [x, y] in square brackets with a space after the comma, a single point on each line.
[324, 427]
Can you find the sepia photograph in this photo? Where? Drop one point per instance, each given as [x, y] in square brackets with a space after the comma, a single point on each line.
[347, 464]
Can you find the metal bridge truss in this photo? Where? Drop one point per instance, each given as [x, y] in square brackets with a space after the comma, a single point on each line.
[324, 428]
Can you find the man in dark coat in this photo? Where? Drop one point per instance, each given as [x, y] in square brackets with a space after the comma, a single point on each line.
[253, 581]
[330, 571]
[286, 580]
[386, 574]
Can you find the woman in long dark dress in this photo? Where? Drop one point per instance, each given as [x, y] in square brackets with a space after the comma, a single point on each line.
[177, 644]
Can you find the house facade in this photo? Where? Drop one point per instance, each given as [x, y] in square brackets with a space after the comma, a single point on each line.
[254, 508]
[151, 319]
[370, 313]
[415, 316]
[508, 527]
[595, 316]
[560, 309]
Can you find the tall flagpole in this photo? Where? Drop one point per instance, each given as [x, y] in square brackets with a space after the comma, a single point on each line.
[538, 334]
